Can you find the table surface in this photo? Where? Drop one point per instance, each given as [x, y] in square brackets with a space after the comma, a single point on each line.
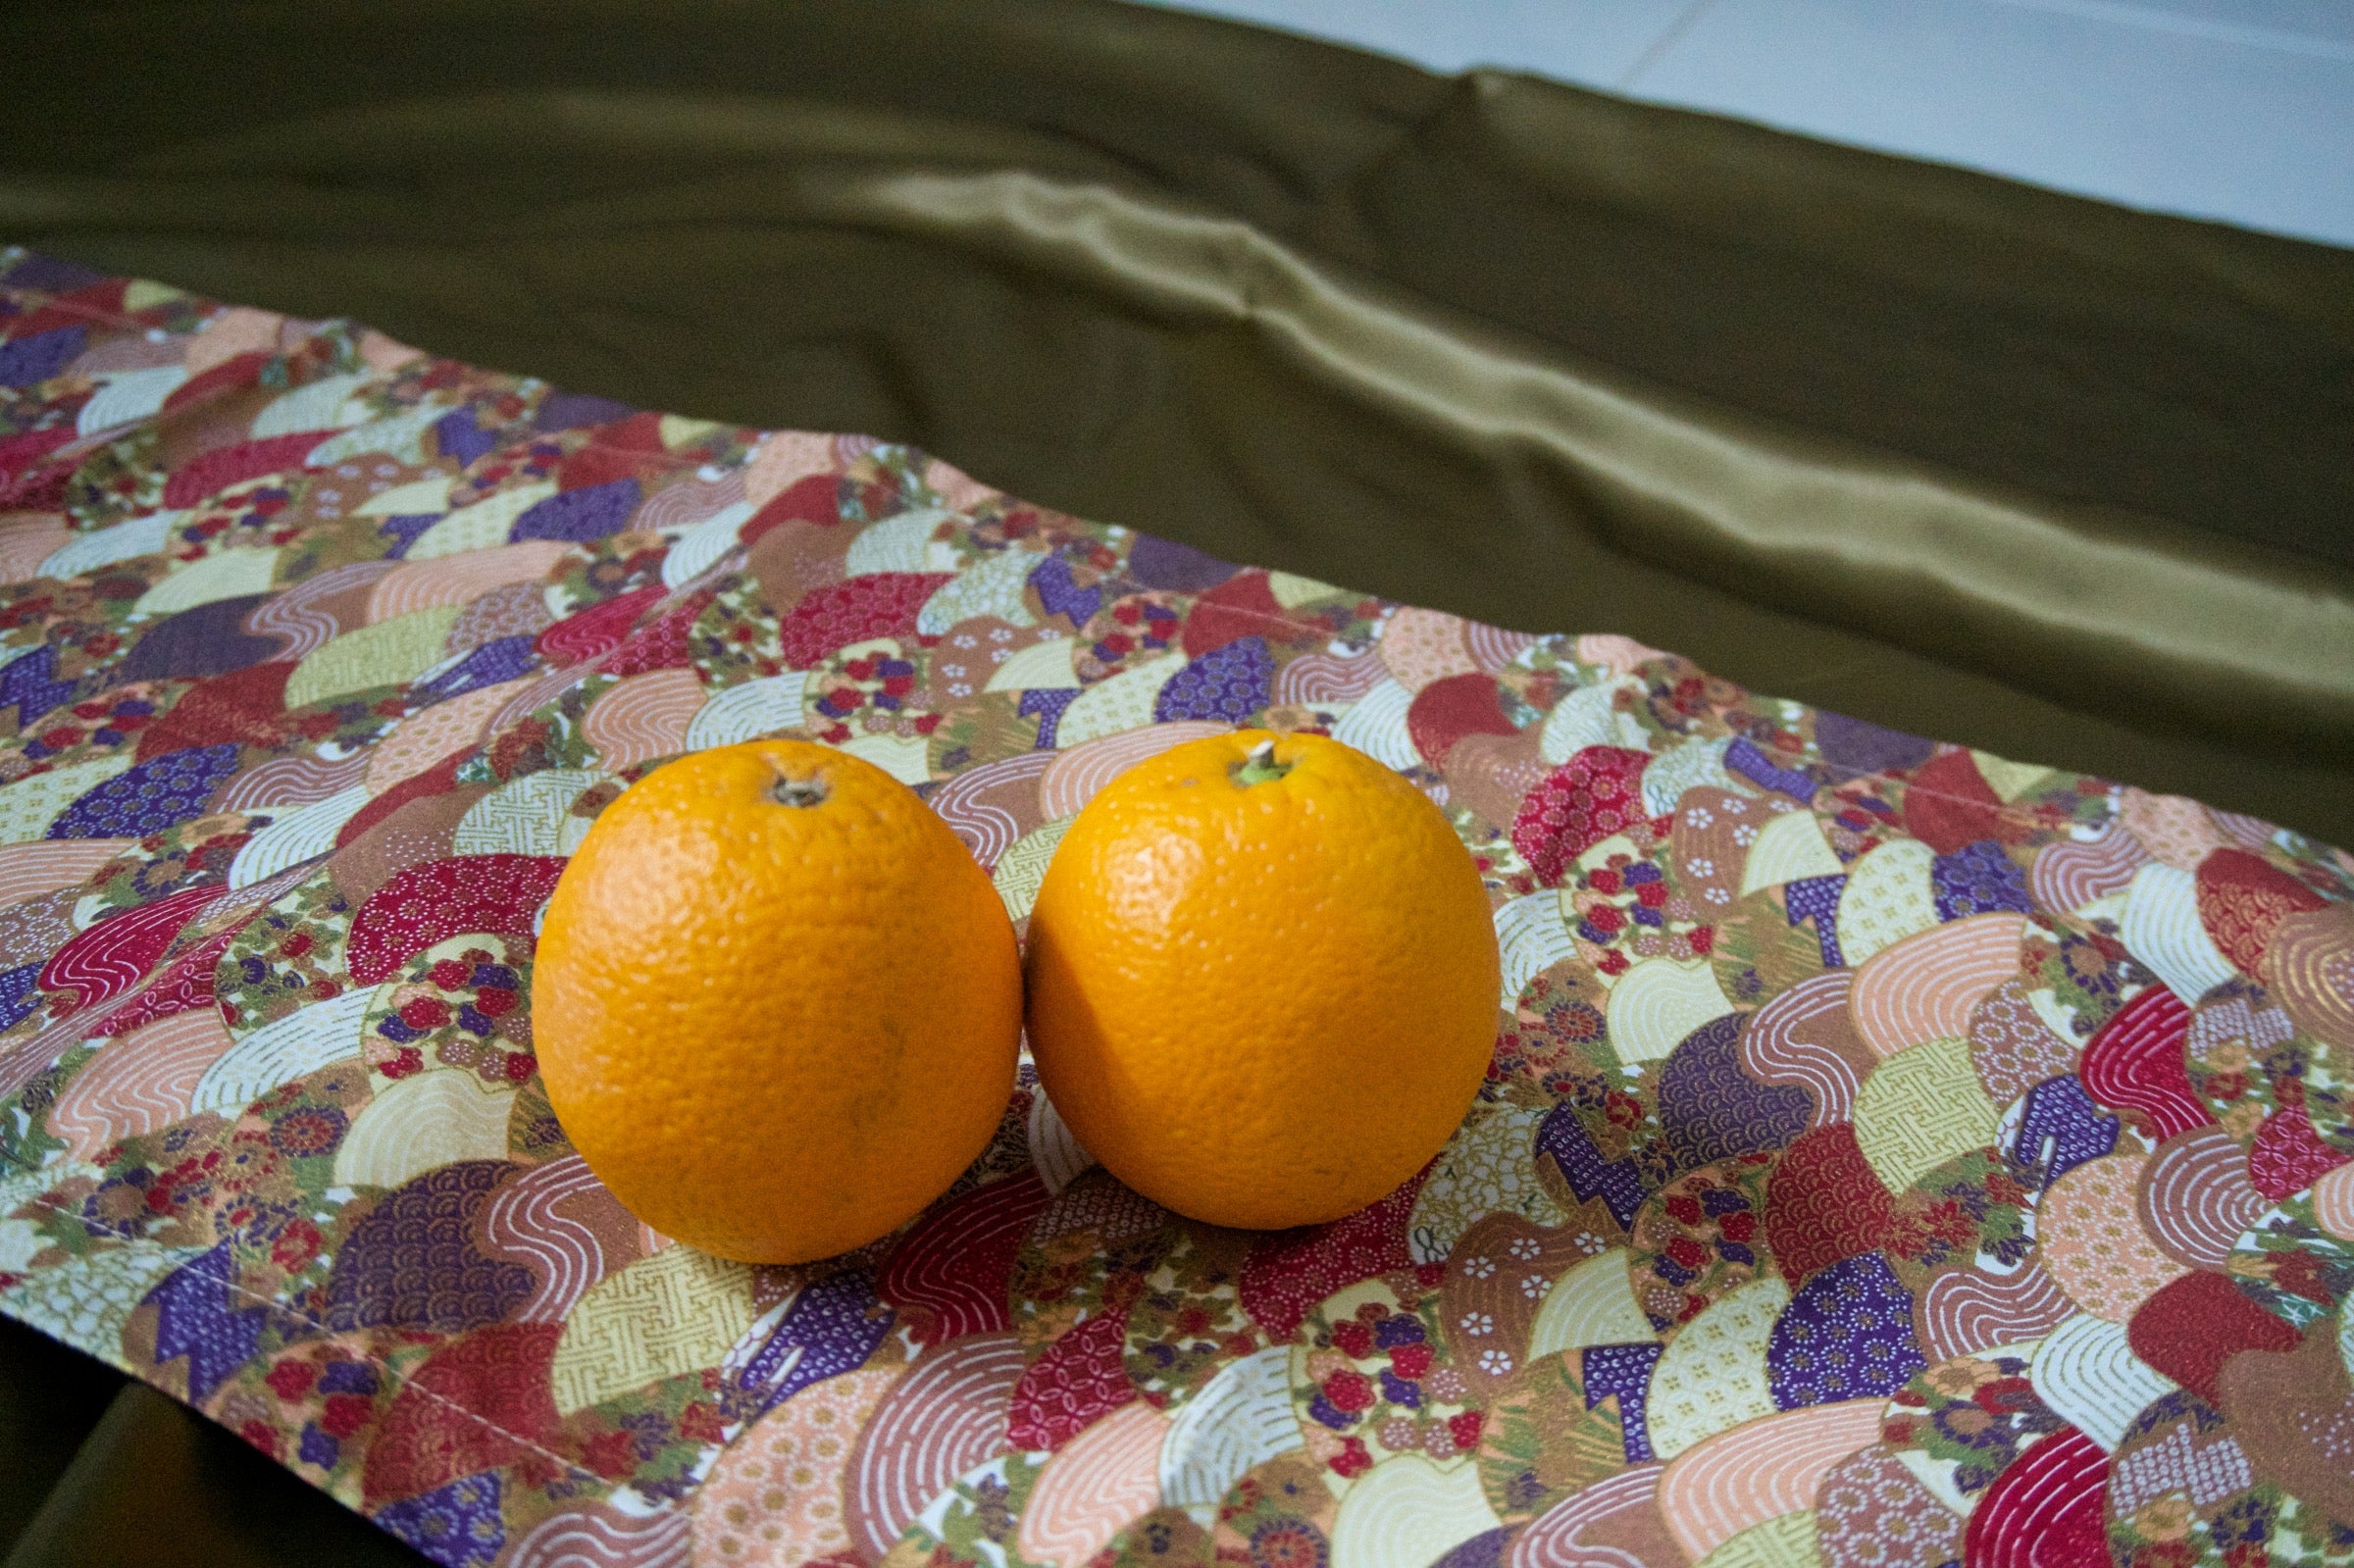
[2242, 112]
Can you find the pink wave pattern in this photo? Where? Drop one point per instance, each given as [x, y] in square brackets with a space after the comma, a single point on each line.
[461, 579]
[27, 541]
[28, 871]
[1970, 1310]
[1760, 1471]
[237, 330]
[1315, 679]
[601, 1536]
[1494, 649]
[1104, 1480]
[957, 488]
[1620, 655]
[1925, 988]
[2135, 1060]
[2250, 832]
[1071, 780]
[535, 1220]
[1422, 647]
[132, 351]
[988, 830]
[2045, 1512]
[291, 781]
[423, 740]
[2333, 1202]
[2072, 875]
[139, 1083]
[945, 1416]
[783, 458]
[686, 502]
[1557, 1538]
[643, 718]
[292, 611]
[546, 688]
[1782, 1044]
[2196, 1197]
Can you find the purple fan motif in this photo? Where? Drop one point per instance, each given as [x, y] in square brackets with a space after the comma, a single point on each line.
[208, 640]
[459, 437]
[1231, 683]
[1710, 1110]
[405, 531]
[571, 411]
[486, 665]
[458, 1526]
[412, 1261]
[52, 274]
[201, 1316]
[1483, 1550]
[1059, 593]
[1816, 898]
[1759, 769]
[2060, 1118]
[578, 516]
[1846, 1335]
[1977, 880]
[20, 994]
[29, 361]
[1618, 1182]
[1626, 1371]
[28, 686]
[831, 1329]
[161, 792]
[1048, 705]
[1855, 747]
[1165, 564]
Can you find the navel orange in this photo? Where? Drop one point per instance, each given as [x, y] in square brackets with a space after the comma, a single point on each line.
[776, 1004]
[1262, 978]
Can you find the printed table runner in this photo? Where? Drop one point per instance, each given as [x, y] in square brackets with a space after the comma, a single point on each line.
[1892, 1153]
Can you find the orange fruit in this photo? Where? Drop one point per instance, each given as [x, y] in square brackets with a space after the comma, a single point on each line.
[1263, 979]
[776, 1004]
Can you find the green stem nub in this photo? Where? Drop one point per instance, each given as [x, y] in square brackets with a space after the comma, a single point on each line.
[799, 791]
[1259, 766]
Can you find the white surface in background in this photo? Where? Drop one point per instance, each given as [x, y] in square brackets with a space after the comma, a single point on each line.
[1593, 42]
[2238, 109]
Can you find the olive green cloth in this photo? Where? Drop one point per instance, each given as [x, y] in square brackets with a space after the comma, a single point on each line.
[146, 1483]
[1983, 462]
[2061, 480]
[50, 1398]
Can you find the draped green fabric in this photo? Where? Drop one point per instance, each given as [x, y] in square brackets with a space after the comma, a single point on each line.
[2061, 480]
[2064, 482]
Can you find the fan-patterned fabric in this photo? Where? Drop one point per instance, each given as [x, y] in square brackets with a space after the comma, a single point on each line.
[1892, 1154]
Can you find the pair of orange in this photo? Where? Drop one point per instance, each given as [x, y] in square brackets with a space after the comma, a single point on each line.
[778, 1004]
